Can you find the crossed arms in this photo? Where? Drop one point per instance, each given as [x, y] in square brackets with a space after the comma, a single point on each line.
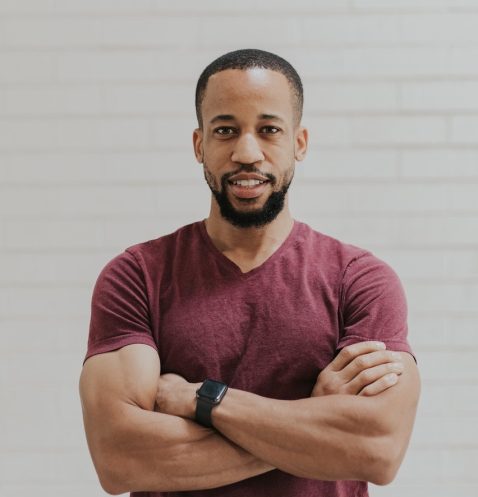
[356, 424]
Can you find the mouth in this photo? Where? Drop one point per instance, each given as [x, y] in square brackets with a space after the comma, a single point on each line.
[248, 188]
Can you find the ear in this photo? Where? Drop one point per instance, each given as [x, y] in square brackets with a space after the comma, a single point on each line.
[197, 144]
[300, 144]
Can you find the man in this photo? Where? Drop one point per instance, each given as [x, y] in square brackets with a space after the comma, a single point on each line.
[285, 365]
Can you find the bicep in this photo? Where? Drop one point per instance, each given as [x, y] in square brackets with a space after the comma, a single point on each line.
[111, 382]
[396, 407]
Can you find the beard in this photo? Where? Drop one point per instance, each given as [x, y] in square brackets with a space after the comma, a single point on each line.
[253, 218]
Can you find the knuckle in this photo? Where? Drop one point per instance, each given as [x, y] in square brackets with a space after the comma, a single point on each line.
[347, 352]
[366, 376]
[362, 361]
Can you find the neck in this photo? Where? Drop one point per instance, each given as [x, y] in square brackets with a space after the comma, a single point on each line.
[248, 242]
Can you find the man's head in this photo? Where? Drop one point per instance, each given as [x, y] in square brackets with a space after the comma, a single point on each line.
[249, 106]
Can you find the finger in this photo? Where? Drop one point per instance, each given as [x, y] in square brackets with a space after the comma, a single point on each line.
[349, 353]
[372, 375]
[367, 361]
[380, 385]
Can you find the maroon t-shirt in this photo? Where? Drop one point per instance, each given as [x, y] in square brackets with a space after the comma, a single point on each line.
[269, 331]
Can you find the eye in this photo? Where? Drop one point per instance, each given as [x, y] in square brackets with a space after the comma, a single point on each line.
[225, 131]
[270, 130]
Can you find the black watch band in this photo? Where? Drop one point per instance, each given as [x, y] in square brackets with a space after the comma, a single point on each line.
[209, 395]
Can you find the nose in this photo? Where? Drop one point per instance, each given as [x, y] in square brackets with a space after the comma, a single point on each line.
[247, 150]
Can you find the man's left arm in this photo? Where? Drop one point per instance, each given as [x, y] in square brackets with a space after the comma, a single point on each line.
[335, 437]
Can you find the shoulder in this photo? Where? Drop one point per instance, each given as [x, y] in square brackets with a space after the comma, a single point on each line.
[336, 253]
[160, 250]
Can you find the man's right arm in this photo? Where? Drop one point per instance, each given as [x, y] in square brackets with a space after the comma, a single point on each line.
[136, 449]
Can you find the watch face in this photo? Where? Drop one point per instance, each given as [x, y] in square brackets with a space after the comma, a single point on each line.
[212, 390]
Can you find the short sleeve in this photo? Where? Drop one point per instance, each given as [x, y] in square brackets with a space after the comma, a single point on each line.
[119, 308]
[373, 305]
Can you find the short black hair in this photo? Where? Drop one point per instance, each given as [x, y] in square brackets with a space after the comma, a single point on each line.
[249, 58]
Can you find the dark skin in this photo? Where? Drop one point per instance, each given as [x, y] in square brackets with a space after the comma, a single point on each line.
[139, 424]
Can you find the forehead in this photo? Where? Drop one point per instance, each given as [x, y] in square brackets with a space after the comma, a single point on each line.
[236, 90]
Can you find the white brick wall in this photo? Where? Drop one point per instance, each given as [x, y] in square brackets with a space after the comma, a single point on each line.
[96, 115]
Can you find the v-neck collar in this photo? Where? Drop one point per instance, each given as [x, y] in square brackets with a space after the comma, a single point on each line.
[232, 266]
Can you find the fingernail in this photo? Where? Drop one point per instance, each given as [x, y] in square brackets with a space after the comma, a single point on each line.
[380, 345]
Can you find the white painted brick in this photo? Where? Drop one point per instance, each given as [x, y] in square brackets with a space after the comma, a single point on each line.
[444, 488]
[426, 332]
[132, 65]
[464, 197]
[459, 60]
[60, 134]
[46, 301]
[48, 335]
[461, 464]
[392, 231]
[442, 28]
[173, 132]
[415, 264]
[462, 331]
[461, 264]
[362, 230]
[81, 200]
[440, 95]
[349, 164]
[443, 231]
[48, 32]
[443, 297]
[398, 130]
[151, 99]
[229, 32]
[81, 489]
[42, 467]
[421, 466]
[20, 67]
[247, 6]
[439, 163]
[351, 29]
[397, 5]
[374, 62]
[449, 367]
[464, 129]
[53, 100]
[438, 432]
[100, 167]
[373, 197]
[148, 31]
[25, 234]
[459, 400]
[73, 6]
[327, 131]
[34, 269]
[350, 97]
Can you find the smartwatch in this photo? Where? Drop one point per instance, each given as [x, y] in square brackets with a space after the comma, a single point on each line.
[208, 395]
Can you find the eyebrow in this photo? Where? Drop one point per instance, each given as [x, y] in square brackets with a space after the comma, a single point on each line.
[230, 117]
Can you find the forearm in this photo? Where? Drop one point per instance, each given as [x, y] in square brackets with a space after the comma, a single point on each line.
[327, 438]
[152, 451]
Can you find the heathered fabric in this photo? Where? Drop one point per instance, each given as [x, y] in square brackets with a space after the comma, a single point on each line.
[269, 331]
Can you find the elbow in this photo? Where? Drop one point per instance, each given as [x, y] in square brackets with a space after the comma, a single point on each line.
[110, 481]
[384, 462]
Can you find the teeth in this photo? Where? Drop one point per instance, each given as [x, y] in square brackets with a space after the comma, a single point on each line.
[248, 182]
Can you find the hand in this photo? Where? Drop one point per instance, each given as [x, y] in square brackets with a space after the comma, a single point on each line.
[176, 396]
[363, 368]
